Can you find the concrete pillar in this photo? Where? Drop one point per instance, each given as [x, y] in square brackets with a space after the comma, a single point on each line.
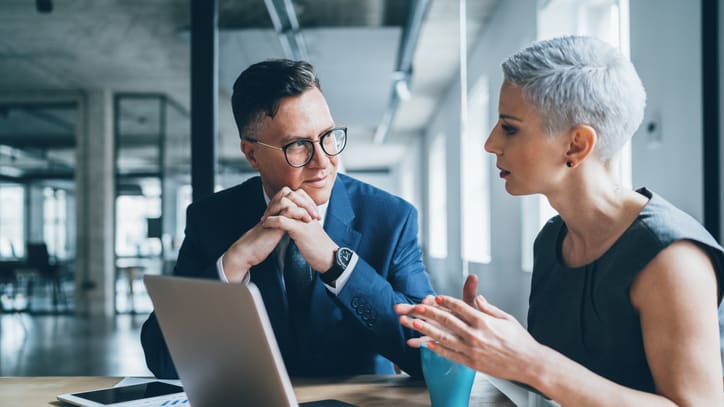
[95, 186]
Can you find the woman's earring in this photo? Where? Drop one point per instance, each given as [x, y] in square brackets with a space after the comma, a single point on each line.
[569, 164]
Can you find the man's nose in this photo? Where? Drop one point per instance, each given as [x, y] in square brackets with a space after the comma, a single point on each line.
[320, 158]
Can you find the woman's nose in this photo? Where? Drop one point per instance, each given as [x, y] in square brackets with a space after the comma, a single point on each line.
[491, 144]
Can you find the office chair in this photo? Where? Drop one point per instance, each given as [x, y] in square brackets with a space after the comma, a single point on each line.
[38, 259]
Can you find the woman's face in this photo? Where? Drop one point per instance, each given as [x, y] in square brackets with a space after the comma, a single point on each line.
[529, 160]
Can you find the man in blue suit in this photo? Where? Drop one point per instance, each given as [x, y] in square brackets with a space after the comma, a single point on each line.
[330, 254]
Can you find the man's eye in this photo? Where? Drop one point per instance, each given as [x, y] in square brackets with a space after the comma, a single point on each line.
[298, 144]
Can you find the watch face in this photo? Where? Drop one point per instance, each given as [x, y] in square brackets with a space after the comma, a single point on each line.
[344, 255]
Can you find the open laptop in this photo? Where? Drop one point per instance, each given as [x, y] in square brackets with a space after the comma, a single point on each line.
[222, 343]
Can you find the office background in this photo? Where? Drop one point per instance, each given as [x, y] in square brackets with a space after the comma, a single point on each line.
[101, 101]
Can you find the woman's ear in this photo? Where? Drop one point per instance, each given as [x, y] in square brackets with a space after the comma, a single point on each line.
[247, 148]
[582, 141]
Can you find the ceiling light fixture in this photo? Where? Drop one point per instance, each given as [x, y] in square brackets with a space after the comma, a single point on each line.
[402, 88]
[44, 6]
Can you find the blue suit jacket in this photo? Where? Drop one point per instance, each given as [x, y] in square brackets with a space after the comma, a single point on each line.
[345, 333]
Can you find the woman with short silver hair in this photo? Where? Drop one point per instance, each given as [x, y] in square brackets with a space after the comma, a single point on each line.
[625, 286]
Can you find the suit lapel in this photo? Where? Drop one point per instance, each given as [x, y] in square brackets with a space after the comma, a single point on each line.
[340, 217]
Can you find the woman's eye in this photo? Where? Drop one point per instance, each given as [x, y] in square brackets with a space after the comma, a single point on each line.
[508, 129]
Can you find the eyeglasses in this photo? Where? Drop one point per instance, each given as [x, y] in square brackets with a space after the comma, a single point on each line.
[299, 153]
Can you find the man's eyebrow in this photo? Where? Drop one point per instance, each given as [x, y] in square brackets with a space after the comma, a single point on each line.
[509, 117]
[288, 138]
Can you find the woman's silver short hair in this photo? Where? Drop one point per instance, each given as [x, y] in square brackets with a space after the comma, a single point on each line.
[581, 80]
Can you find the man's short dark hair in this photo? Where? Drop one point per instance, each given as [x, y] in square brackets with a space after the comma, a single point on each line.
[260, 88]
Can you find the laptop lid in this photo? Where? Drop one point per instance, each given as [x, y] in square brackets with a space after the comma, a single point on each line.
[221, 342]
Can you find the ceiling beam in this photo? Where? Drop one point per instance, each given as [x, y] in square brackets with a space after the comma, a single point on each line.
[50, 141]
[285, 22]
[51, 119]
[403, 72]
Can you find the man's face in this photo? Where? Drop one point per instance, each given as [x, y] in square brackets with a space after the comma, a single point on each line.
[305, 116]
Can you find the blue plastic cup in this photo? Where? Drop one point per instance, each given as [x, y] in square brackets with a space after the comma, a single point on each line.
[449, 383]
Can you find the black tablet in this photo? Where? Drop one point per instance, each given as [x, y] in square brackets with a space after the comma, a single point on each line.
[127, 396]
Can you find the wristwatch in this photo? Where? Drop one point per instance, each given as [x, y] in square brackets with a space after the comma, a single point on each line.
[342, 257]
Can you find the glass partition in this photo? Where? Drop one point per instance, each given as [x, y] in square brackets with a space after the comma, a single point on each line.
[152, 164]
[37, 211]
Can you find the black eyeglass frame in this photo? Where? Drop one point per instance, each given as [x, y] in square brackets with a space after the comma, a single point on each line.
[310, 141]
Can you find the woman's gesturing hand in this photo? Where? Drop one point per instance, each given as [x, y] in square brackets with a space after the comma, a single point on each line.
[480, 336]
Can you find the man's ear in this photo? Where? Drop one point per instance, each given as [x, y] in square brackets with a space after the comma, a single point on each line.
[247, 148]
[582, 141]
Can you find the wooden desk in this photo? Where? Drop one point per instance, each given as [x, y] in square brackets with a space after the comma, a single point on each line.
[363, 391]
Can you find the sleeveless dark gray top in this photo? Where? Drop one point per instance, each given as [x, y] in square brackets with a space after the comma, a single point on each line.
[586, 312]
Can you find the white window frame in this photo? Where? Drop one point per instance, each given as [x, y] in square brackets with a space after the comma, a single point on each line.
[475, 189]
[437, 198]
[55, 221]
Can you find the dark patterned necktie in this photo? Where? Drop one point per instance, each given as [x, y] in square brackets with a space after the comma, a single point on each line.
[298, 279]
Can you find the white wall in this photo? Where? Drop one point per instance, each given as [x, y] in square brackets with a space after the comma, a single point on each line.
[380, 179]
[512, 26]
[408, 173]
[666, 50]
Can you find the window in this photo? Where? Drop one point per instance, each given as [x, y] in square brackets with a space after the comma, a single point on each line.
[183, 200]
[603, 19]
[437, 195]
[476, 181]
[12, 218]
[55, 221]
[132, 212]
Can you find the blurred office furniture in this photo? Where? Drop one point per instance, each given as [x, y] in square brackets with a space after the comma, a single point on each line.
[131, 296]
[39, 268]
[8, 284]
[129, 272]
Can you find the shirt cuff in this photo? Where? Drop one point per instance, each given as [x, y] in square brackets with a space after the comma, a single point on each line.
[342, 279]
[222, 275]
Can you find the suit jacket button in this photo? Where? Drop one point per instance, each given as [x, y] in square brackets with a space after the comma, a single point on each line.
[355, 302]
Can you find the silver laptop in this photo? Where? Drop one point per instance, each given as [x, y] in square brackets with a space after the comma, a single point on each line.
[222, 343]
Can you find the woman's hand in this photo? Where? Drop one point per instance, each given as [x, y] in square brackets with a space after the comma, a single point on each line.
[480, 336]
